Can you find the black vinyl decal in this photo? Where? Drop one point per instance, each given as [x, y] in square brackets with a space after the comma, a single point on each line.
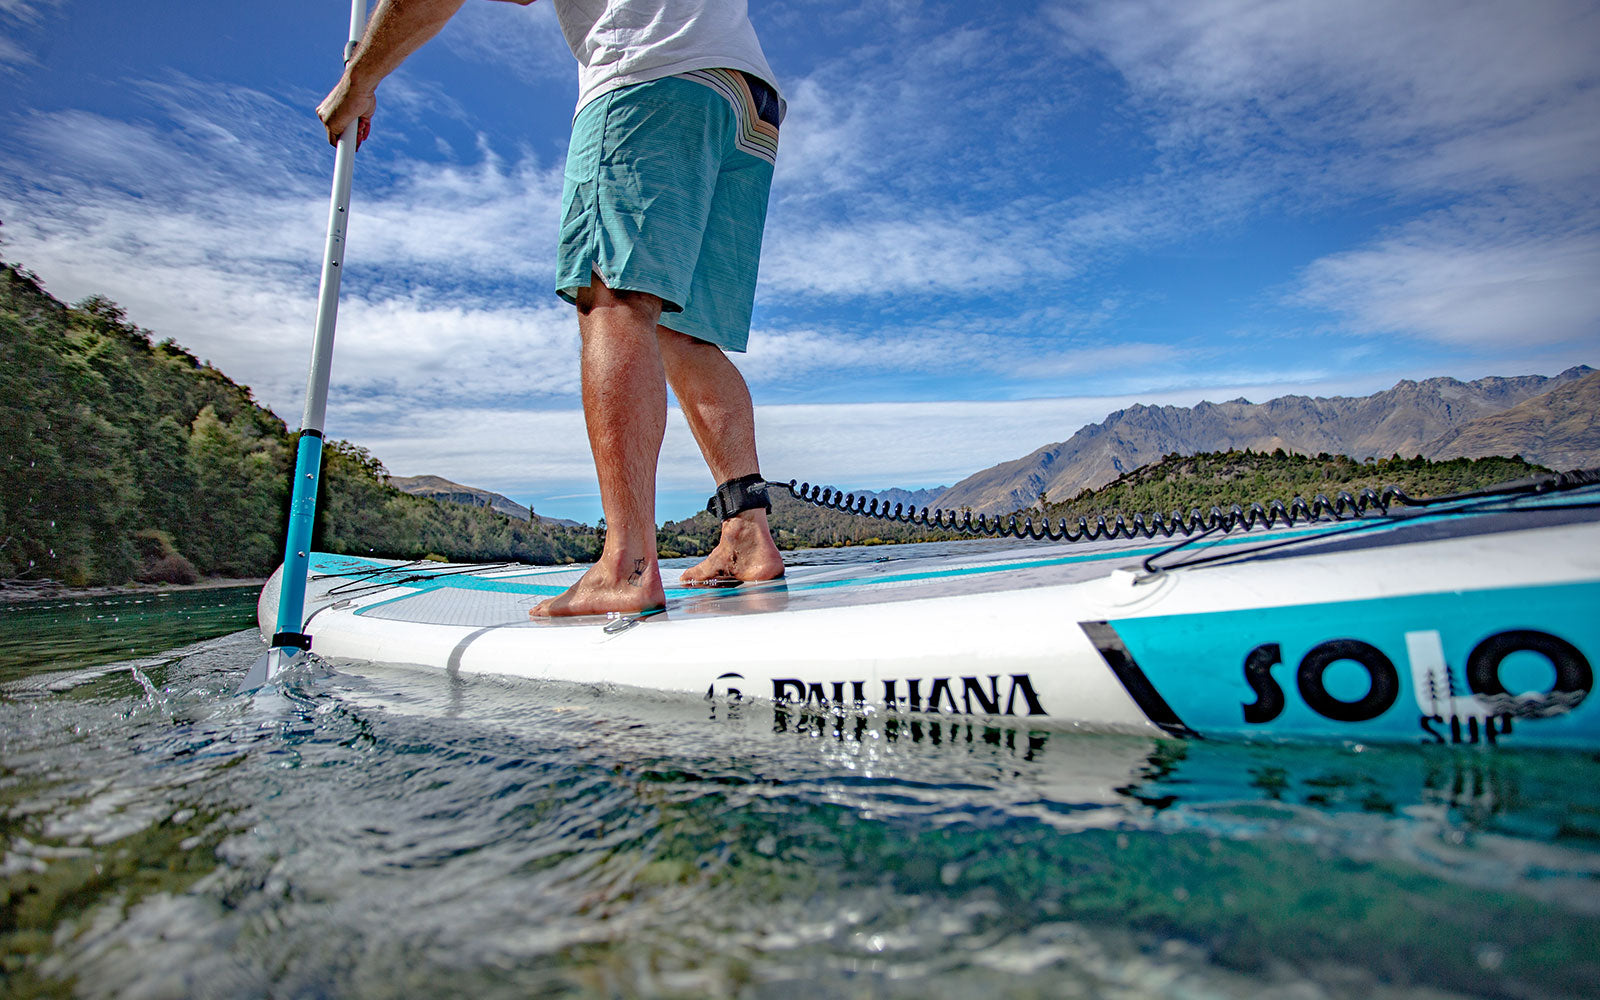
[1378, 700]
[1258, 674]
[1573, 673]
[1115, 652]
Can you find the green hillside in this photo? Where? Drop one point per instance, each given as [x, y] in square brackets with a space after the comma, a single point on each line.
[127, 458]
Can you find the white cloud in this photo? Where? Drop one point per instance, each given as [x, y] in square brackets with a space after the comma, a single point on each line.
[923, 253]
[1491, 108]
[1359, 90]
[208, 237]
[460, 223]
[513, 451]
[1030, 345]
[416, 99]
[212, 236]
[23, 13]
[824, 145]
[26, 10]
[457, 353]
[1481, 277]
[527, 41]
[12, 54]
[255, 324]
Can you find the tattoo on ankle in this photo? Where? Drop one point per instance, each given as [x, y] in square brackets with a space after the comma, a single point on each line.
[637, 574]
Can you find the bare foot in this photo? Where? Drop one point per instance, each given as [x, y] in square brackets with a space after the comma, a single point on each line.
[745, 553]
[610, 585]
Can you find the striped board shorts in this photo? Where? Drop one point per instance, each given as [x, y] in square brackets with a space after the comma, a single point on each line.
[666, 192]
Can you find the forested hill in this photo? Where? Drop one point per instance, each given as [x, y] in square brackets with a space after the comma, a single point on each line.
[127, 458]
[1183, 482]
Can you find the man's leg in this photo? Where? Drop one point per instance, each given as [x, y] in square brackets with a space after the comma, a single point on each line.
[716, 402]
[625, 409]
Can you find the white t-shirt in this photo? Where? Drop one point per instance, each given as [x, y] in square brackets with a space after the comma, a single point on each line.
[623, 42]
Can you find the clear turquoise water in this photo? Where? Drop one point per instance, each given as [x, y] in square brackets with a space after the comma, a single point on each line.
[381, 832]
[62, 633]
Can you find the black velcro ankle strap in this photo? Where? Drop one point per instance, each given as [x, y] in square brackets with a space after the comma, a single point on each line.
[737, 495]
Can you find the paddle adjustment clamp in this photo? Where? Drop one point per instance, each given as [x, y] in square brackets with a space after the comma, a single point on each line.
[738, 495]
[299, 640]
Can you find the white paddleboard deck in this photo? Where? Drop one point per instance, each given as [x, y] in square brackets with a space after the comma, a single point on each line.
[1476, 625]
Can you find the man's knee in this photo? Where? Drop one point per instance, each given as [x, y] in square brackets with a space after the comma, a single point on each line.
[682, 346]
[598, 296]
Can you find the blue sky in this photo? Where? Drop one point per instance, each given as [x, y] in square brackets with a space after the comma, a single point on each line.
[991, 223]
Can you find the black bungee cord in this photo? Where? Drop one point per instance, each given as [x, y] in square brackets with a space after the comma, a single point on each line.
[1343, 506]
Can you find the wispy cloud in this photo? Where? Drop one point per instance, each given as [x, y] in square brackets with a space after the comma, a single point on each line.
[1369, 87]
[1495, 109]
[920, 176]
[929, 252]
[1476, 276]
[525, 41]
[19, 17]
[27, 10]
[12, 54]
[218, 207]
[208, 229]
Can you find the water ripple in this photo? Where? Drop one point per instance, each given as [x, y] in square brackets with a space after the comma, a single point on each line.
[376, 831]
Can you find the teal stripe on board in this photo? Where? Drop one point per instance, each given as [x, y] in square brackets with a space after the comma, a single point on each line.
[1391, 669]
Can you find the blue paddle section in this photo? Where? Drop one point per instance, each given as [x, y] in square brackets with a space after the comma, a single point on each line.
[302, 514]
[1510, 666]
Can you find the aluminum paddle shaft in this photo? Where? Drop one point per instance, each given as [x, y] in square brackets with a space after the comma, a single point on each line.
[288, 640]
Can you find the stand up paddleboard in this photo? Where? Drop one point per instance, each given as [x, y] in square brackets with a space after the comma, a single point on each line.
[1472, 622]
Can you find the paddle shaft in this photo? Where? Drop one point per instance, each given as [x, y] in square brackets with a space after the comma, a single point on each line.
[308, 454]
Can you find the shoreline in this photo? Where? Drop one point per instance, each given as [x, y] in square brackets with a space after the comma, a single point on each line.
[20, 592]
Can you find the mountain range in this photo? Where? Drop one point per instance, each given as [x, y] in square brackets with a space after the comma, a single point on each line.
[1553, 421]
[906, 498]
[1560, 429]
[1549, 420]
[439, 488]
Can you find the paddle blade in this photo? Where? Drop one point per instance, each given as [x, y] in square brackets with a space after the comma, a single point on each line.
[267, 669]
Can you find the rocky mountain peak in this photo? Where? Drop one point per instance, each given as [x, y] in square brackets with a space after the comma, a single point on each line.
[1412, 417]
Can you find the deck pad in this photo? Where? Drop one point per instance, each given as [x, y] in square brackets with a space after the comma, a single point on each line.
[502, 594]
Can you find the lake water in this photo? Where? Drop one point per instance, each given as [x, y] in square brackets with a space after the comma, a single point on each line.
[386, 832]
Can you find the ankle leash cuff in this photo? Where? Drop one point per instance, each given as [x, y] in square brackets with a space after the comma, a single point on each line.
[737, 495]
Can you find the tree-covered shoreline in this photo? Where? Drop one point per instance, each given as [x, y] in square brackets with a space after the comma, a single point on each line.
[128, 459]
[1184, 482]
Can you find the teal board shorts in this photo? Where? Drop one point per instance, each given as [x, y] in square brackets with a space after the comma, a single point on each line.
[666, 192]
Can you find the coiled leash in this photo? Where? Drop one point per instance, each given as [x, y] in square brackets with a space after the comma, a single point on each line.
[749, 492]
